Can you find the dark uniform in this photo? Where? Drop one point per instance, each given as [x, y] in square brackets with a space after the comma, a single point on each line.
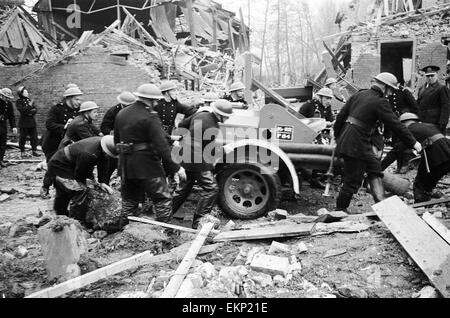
[6, 114]
[80, 128]
[314, 108]
[147, 161]
[199, 167]
[107, 125]
[354, 128]
[27, 123]
[434, 105]
[57, 118]
[168, 112]
[231, 100]
[71, 167]
[402, 101]
[437, 149]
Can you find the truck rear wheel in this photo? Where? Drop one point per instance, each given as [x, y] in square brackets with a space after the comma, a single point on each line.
[246, 193]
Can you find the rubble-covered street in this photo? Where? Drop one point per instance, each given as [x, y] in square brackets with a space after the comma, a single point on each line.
[370, 263]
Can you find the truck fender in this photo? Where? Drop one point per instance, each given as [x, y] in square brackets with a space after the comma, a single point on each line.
[229, 148]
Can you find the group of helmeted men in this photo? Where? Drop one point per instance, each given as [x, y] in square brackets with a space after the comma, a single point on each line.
[388, 111]
[135, 137]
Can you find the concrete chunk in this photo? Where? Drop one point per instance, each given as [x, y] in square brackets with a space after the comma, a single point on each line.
[279, 248]
[427, 292]
[272, 265]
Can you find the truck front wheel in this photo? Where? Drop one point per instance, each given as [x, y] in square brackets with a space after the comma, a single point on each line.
[246, 193]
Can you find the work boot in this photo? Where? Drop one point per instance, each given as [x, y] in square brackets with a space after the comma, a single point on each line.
[36, 154]
[343, 201]
[421, 195]
[377, 189]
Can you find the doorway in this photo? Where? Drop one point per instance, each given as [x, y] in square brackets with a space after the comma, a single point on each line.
[398, 58]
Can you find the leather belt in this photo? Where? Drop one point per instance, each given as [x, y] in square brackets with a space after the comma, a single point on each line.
[357, 122]
[141, 147]
[433, 139]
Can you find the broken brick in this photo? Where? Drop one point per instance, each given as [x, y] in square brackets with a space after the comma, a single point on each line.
[272, 265]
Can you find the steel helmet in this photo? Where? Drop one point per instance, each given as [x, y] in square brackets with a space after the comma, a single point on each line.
[87, 106]
[211, 97]
[330, 81]
[7, 93]
[388, 79]
[149, 91]
[109, 146]
[126, 98]
[71, 85]
[237, 86]
[167, 86]
[20, 90]
[325, 92]
[222, 107]
[409, 116]
[74, 91]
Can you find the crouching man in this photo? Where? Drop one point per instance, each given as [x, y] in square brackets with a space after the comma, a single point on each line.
[203, 128]
[71, 166]
[435, 162]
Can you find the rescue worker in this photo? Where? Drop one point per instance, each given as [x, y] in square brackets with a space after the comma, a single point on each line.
[319, 106]
[125, 99]
[354, 127]
[59, 118]
[71, 166]
[435, 163]
[402, 101]
[82, 126]
[6, 114]
[169, 107]
[145, 155]
[332, 84]
[434, 100]
[210, 98]
[237, 94]
[27, 122]
[201, 171]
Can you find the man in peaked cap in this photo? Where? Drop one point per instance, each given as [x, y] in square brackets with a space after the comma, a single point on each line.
[434, 100]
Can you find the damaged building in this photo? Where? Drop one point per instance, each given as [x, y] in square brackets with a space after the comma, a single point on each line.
[396, 39]
[118, 47]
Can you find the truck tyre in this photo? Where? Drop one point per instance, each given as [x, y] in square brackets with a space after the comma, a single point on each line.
[245, 193]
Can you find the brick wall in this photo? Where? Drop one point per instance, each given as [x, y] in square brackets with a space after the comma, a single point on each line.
[100, 76]
[365, 68]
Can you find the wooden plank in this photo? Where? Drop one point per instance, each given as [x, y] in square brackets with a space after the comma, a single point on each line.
[277, 97]
[181, 272]
[142, 259]
[437, 226]
[142, 28]
[266, 233]
[430, 203]
[166, 225]
[430, 252]
[191, 22]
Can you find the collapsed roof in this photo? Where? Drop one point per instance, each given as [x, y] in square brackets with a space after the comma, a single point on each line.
[167, 21]
[21, 38]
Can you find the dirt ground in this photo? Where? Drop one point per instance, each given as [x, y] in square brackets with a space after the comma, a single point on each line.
[373, 265]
